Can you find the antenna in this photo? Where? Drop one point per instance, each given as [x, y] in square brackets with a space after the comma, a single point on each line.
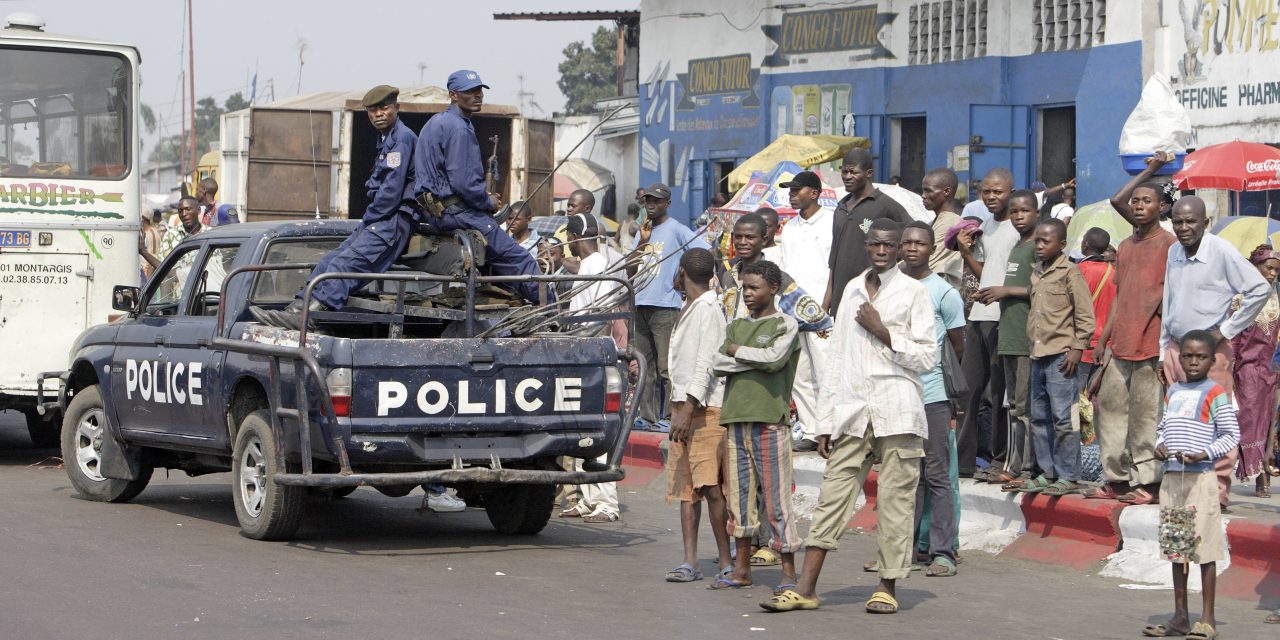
[521, 94]
[422, 67]
[301, 44]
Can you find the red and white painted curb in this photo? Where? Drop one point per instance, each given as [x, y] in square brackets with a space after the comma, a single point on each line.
[1068, 531]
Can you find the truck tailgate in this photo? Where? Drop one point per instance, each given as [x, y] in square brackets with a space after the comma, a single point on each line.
[495, 386]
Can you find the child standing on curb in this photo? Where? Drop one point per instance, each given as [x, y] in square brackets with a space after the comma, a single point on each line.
[1199, 426]
[759, 359]
[1060, 326]
[695, 454]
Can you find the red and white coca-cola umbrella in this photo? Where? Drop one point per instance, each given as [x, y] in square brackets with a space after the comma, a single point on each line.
[1235, 166]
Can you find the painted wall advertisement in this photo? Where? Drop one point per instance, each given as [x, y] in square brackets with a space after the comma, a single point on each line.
[1229, 68]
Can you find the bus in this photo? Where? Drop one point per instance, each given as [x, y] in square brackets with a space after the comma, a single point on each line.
[70, 208]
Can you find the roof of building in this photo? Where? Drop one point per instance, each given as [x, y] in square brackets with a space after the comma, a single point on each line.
[563, 16]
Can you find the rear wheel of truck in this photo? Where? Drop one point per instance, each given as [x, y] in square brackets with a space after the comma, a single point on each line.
[45, 430]
[266, 510]
[83, 430]
[520, 509]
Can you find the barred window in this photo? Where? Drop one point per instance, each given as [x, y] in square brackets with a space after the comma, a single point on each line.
[1063, 25]
[947, 30]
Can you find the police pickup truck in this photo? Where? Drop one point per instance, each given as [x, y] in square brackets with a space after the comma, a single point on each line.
[434, 375]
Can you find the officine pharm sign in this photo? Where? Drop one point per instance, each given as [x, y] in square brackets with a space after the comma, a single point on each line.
[828, 30]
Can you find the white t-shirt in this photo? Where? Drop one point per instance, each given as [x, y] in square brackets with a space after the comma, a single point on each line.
[595, 264]
[806, 248]
[998, 240]
[1062, 211]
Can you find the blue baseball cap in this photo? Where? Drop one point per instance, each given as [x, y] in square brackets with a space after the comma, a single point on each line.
[465, 80]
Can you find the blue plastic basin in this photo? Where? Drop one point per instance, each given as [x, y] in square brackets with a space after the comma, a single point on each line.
[1135, 163]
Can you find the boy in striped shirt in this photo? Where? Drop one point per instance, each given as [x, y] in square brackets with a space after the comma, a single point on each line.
[1199, 426]
[758, 359]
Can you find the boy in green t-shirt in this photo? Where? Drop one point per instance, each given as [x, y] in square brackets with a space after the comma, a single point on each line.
[1014, 461]
[759, 359]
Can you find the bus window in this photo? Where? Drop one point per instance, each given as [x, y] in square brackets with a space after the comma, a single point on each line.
[64, 114]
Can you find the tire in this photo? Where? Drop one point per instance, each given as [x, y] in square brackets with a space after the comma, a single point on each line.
[45, 430]
[520, 509]
[265, 510]
[82, 431]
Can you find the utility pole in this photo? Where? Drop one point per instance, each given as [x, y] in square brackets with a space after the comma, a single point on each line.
[422, 68]
[191, 79]
[302, 48]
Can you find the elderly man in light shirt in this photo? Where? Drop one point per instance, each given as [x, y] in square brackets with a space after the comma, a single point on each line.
[872, 402]
[806, 246]
[1203, 275]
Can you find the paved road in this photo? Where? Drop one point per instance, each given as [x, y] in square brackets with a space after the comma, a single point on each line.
[172, 565]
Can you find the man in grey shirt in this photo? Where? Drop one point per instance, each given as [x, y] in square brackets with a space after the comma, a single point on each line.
[1204, 274]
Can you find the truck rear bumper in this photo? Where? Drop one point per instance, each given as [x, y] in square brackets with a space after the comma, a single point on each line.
[610, 473]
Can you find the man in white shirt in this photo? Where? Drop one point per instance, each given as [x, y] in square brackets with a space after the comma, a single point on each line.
[805, 248]
[872, 405]
[987, 258]
[599, 502]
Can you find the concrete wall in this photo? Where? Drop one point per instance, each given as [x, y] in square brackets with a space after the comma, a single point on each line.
[620, 154]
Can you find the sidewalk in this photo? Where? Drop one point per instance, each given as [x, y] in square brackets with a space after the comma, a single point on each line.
[1109, 537]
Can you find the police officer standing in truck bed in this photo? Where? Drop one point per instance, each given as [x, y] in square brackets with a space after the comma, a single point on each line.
[386, 226]
[449, 181]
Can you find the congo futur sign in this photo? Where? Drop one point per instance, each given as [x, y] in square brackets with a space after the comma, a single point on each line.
[827, 30]
[720, 76]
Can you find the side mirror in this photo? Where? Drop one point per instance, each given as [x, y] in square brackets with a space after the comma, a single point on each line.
[124, 298]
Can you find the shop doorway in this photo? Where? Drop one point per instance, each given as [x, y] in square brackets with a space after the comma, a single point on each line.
[1057, 145]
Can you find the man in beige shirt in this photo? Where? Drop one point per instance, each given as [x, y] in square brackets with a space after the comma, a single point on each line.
[938, 192]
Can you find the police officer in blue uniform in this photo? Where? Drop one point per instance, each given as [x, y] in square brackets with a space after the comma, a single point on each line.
[449, 181]
[387, 224]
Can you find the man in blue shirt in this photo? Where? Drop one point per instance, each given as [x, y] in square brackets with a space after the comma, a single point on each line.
[448, 165]
[658, 304]
[387, 224]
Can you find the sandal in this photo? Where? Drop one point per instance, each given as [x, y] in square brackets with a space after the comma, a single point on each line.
[572, 511]
[684, 573]
[882, 602]
[942, 567]
[1139, 496]
[789, 600]
[1202, 631]
[765, 557]
[1104, 492]
[1163, 631]
[1272, 618]
[1015, 486]
[786, 586]
[1001, 477]
[1061, 488]
[1034, 485]
[603, 516]
[724, 582]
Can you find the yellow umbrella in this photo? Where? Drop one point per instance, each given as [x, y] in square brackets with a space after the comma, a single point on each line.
[1245, 233]
[805, 151]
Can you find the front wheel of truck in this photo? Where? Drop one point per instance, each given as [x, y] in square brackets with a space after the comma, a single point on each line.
[266, 510]
[83, 430]
[520, 509]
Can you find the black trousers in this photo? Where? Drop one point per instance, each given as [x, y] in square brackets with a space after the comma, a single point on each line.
[985, 374]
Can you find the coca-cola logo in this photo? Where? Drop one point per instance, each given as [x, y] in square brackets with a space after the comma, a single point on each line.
[1270, 165]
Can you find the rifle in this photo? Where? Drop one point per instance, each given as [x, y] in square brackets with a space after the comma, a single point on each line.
[493, 166]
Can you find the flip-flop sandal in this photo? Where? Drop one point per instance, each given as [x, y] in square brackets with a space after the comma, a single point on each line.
[941, 567]
[597, 518]
[722, 583]
[789, 600]
[684, 573]
[1163, 631]
[1061, 488]
[765, 557]
[1001, 477]
[1016, 486]
[888, 602]
[785, 586]
[1138, 496]
[1105, 492]
[1272, 618]
[1202, 631]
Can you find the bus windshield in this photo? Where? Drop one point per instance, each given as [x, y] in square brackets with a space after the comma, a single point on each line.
[64, 114]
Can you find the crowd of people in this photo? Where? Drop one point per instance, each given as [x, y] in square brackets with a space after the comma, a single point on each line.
[966, 347]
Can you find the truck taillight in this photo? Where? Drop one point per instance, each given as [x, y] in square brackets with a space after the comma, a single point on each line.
[612, 390]
[339, 383]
